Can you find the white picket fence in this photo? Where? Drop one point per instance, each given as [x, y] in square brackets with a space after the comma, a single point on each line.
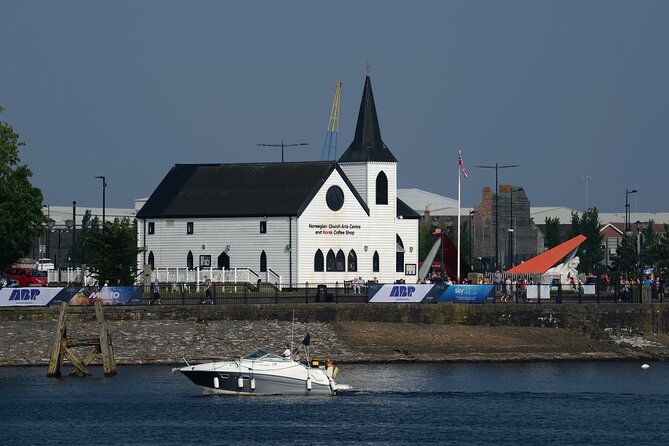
[179, 275]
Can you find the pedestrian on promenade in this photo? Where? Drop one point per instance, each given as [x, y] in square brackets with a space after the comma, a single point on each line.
[208, 290]
[155, 292]
[660, 288]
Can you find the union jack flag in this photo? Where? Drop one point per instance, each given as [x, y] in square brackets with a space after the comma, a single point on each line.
[462, 164]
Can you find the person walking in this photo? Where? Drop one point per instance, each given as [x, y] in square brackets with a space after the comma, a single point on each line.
[208, 291]
[155, 293]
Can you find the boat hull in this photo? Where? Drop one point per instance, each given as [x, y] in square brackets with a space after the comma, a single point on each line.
[230, 381]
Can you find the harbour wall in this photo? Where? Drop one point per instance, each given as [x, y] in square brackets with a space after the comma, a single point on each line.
[352, 332]
[589, 318]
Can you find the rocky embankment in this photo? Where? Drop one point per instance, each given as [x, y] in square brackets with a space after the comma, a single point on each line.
[350, 333]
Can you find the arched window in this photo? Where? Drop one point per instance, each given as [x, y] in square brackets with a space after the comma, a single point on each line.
[352, 261]
[399, 255]
[318, 261]
[330, 264]
[263, 262]
[224, 261]
[152, 262]
[381, 188]
[341, 261]
[375, 262]
[189, 260]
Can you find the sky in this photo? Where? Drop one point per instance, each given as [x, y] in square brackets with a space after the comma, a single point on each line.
[574, 92]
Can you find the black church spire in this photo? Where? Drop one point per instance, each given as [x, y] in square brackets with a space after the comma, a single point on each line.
[367, 144]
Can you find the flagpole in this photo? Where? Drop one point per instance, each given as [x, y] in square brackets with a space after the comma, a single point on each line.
[457, 279]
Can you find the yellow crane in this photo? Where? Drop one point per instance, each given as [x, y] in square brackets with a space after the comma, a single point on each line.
[330, 143]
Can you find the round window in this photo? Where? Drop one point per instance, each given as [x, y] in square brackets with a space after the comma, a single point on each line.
[335, 198]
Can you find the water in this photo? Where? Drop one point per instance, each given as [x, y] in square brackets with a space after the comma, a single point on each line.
[593, 403]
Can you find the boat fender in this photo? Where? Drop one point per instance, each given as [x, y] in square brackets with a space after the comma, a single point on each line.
[216, 382]
[253, 384]
[309, 383]
[240, 382]
[333, 387]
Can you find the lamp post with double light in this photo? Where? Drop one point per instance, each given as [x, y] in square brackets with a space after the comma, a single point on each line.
[497, 167]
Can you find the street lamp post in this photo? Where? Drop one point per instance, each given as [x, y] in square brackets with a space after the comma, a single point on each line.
[497, 167]
[50, 224]
[74, 234]
[639, 228]
[587, 179]
[512, 229]
[627, 208]
[471, 242]
[104, 186]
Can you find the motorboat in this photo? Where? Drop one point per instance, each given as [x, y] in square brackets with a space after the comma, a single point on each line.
[263, 373]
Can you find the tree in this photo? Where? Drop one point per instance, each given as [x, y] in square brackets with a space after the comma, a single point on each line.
[89, 225]
[552, 232]
[113, 253]
[21, 217]
[590, 251]
[661, 253]
[625, 260]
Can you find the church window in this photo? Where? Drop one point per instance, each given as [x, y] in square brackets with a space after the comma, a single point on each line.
[381, 188]
[318, 261]
[330, 264]
[399, 255]
[334, 198]
[263, 262]
[352, 261]
[341, 261]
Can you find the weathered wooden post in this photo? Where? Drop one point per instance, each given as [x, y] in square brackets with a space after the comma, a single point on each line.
[106, 348]
[62, 347]
[56, 360]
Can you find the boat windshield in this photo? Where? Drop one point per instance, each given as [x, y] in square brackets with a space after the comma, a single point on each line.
[262, 355]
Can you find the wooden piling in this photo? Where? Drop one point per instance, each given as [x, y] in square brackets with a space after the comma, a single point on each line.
[56, 360]
[62, 347]
[106, 348]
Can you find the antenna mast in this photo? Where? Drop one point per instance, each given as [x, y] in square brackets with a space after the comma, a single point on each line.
[283, 146]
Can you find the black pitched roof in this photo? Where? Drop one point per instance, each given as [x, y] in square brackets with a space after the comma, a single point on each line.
[236, 190]
[367, 144]
[405, 211]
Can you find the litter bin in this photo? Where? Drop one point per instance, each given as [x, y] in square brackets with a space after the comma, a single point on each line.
[646, 294]
[322, 293]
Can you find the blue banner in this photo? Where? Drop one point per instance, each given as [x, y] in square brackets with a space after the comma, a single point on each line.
[108, 295]
[468, 293]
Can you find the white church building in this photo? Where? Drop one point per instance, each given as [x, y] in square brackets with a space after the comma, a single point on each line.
[303, 222]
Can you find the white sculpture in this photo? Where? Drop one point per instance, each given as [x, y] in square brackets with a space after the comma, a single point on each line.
[565, 271]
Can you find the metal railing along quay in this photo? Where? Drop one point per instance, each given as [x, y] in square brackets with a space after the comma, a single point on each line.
[246, 293]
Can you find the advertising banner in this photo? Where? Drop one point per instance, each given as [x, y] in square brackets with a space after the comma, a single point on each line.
[27, 297]
[108, 295]
[468, 293]
[403, 293]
